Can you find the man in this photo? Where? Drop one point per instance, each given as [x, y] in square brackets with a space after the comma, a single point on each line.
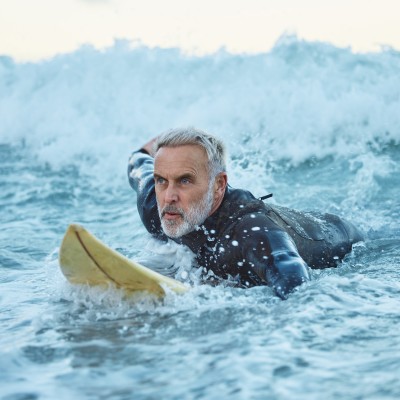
[182, 193]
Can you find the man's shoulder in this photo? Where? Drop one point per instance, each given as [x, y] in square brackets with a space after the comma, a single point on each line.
[240, 209]
[239, 196]
[252, 219]
[241, 202]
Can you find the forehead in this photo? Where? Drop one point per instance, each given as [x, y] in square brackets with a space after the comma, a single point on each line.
[186, 158]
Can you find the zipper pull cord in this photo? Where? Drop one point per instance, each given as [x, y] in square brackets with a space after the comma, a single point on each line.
[267, 196]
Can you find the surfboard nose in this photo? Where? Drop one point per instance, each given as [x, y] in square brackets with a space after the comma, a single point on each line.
[84, 259]
[75, 228]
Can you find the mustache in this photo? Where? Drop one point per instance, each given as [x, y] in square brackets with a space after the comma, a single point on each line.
[172, 209]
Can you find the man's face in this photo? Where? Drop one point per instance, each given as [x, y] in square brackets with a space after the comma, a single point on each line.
[183, 188]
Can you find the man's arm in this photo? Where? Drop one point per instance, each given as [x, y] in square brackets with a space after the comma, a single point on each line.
[140, 175]
[271, 253]
[285, 269]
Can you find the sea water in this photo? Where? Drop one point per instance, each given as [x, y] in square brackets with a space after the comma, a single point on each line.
[316, 125]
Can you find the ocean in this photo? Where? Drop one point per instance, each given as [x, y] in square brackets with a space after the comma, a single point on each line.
[316, 125]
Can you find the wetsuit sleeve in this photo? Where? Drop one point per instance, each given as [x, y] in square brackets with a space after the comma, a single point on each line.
[271, 253]
[140, 175]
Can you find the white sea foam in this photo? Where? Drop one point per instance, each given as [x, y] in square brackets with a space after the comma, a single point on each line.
[298, 101]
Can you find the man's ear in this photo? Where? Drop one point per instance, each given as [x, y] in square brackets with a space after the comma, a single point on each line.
[221, 180]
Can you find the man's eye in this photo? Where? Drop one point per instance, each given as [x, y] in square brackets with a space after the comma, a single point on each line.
[160, 181]
[185, 181]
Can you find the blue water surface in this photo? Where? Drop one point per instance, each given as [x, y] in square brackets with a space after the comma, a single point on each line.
[316, 125]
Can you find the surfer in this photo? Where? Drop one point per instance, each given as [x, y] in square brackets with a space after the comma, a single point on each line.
[183, 194]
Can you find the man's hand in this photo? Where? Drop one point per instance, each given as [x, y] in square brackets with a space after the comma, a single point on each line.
[149, 146]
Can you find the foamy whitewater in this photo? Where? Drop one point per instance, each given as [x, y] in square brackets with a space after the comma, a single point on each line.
[318, 126]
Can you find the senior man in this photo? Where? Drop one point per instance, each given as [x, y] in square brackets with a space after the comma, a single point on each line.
[182, 193]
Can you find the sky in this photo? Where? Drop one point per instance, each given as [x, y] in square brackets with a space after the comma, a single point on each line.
[32, 30]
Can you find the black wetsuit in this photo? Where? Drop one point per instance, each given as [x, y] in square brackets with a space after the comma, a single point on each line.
[248, 241]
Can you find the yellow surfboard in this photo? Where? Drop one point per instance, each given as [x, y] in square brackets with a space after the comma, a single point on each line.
[84, 259]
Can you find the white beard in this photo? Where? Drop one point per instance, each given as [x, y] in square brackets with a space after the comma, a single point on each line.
[191, 219]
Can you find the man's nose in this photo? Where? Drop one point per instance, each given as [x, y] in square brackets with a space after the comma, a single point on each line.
[171, 194]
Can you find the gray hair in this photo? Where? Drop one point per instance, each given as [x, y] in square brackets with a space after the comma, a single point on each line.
[214, 147]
